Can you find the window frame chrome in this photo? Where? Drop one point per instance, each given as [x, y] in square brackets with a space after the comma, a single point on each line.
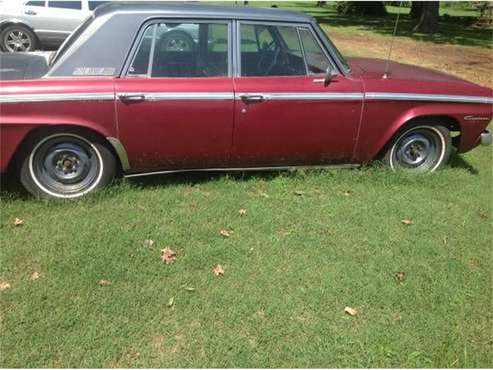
[308, 26]
[155, 22]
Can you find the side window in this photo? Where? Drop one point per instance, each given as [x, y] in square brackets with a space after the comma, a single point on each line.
[316, 59]
[65, 4]
[271, 51]
[36, 3]
[182, 50]
[94, 4]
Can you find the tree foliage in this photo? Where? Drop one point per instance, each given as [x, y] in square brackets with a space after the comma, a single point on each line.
[375, 8]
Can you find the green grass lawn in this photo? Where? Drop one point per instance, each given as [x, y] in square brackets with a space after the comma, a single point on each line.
[311, 244]
[454, 23]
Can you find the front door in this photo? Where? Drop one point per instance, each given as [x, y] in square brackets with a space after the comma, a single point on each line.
[175, 104]
[285, 114]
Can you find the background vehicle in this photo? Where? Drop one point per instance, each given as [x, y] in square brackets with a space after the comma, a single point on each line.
[30, 25]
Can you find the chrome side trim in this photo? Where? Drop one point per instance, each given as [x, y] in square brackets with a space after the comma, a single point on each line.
[37, 98]
[304, 96]
[429, 97]
[120, 151]
[187, 96]
[235, 169]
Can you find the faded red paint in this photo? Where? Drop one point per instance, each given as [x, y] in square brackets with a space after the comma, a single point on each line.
[172, 134]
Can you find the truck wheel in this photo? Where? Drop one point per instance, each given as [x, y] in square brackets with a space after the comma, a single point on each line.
[420, 148]
[66, 165]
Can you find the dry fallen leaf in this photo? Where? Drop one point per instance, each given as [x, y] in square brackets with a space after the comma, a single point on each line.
[168, 255]
[243, 212]
[350, 311]
[189, 289]
[18, 222]
[171, 302]
[103, 282]
[4, 285]
[218, 270]
[35, 275]
[347, 193]
[407, 222]
[225, 233]
[299, 192]
[263, 194]
[400, 276]
[149, 243]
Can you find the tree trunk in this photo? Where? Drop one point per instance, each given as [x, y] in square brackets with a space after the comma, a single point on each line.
[416, 8]
[428, 21]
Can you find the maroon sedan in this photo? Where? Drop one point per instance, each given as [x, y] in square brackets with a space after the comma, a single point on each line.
[141, 89]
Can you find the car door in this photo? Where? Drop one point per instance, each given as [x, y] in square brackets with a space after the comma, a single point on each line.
[175, 102]
[285, 114]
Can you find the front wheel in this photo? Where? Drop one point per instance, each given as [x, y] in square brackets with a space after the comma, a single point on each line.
[421, 148]
[66, 165]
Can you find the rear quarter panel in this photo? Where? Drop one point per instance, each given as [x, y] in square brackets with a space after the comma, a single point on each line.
[33, 111]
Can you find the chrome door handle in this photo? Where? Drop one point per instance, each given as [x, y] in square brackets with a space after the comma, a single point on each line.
[30, 12]
[132, 97]
[252, 97]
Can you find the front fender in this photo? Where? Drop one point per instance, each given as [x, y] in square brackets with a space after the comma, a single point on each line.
[382, 120]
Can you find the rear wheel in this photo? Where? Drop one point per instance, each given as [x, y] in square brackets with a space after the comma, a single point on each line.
[420, 148]
[66, 165]
[18, 39]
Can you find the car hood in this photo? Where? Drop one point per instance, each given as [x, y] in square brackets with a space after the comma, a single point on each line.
[375, 69]
[24, 66]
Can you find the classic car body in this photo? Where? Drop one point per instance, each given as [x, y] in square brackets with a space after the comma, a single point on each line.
[253, 93]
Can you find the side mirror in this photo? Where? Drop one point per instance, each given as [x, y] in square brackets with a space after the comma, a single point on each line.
[330, 75]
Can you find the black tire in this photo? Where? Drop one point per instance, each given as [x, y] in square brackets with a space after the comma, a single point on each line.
[65, 165]
[421, 147]
[30, 43]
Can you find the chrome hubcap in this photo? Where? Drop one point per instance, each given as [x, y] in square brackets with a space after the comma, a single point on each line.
[17, 40]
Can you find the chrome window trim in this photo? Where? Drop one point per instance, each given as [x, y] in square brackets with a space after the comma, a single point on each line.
[155, 21]
[276, 24]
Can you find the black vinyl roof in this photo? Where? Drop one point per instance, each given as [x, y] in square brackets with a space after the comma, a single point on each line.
[203, 11]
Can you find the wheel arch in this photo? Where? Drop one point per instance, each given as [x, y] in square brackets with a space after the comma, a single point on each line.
[113, 144]
[18, 22]
[450, 122]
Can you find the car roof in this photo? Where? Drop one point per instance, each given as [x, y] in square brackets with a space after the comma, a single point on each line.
[205, 11]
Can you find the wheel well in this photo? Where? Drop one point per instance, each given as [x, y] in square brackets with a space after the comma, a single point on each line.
[82, 131]
[434, 120]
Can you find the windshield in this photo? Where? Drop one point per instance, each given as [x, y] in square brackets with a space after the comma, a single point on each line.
[71, 39]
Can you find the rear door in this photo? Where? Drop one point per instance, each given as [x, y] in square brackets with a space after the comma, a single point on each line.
[175, 101]
[285, 114]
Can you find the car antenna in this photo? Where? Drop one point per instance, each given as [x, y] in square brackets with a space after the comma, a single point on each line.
[386, 72]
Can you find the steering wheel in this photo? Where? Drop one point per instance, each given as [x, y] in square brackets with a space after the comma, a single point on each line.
[265, 54]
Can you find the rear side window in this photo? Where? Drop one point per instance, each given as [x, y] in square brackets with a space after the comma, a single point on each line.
[36, 3]
[94, 4]
[186, 49]
[65, 4]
